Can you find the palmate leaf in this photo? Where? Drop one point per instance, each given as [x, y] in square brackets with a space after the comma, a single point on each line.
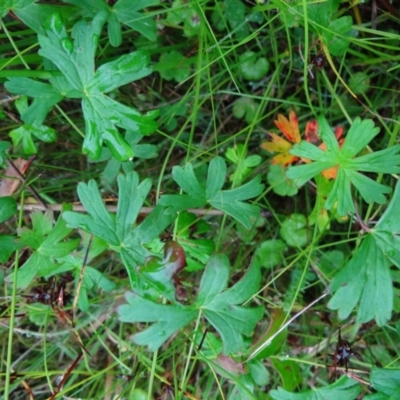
[229, 201]
[74, 57]
[366, 278]
[48, 244]
[343, 389]
[123, 12]
[386, 381]
[31, 13]
[221, 308]
[118, 230]
[33, 116]
[359, 135]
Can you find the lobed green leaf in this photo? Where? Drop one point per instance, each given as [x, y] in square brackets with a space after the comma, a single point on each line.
[127, 68]
[360, 134]
[343, 389]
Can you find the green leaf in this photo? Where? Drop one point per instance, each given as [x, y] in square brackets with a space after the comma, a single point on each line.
[157, 275]
[167, 319]
[279, 183]
[355, 142]
[215, 177]
[337, 36]
[34, 14]
[219, 307]
[123, 12]
[367, 275]
[187, 180]
[23, 135]
[8, 245]
[48, 244]
[99, 222]
[130, 200]
[38, 314]
[331, 261]
[128, 13]
[290, 375]
[184, 12]
[167, 66]
[272, 347]
[8, 208]
[343, 389]
[259, 372]
[359, 82]
[4, 146]
[221, 310]
[244, 165]
[114, 30]
[253, 161]
[294, 230]
[123, 70]
[321, 13]
[74, 57]
[229, 201]
[235, 15]
[245, 108]
[214, 280]
[93, 279]
[319, 215]
[386, 381]
[366, 278]
[360, 134]
[270, 253]
[252, 67]
[45, 98]
[119, 230]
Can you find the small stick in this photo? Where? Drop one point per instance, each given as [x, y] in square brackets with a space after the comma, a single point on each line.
[66, 376]
[113, 209]
[79, 286]
[32, 190]
[284, 326]
[202, 340]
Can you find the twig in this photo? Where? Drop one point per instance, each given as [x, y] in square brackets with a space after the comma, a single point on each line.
[32, 190]
[78, 287]
[113, 209]
[66, 376]
[284, 326]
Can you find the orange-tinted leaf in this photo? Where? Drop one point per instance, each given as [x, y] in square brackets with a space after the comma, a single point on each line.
[311, 132]
[284, 159]
[276, 144]
[330, 173]
[290, 128]
[339, 132]
[282, 146]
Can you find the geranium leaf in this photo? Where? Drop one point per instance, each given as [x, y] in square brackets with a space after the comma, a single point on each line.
[360, 134]
[229, 201]
[219, 307]
[343, 389]
[119, 230]
[74, 57]
[366, 278]
[48, 244]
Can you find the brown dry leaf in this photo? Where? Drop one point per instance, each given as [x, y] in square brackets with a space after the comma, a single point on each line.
[228, 364]
[10, 182]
